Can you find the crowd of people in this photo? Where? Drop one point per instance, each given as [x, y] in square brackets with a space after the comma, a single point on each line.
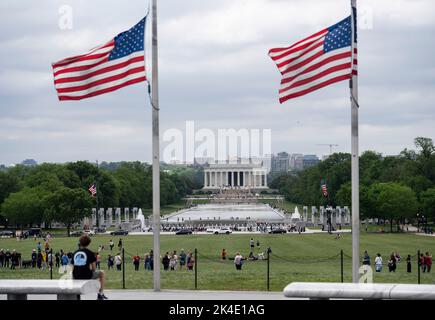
[424, 262]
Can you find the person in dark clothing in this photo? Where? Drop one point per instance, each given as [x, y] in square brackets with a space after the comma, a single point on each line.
[14, 259]
[151, 260]
[39, 259]
[7, 258]
[408, 263]
[57, 259]
[120, 244]
[2, 258]
[392, 263]
[165, 261]
[84, 265]
[34, 256]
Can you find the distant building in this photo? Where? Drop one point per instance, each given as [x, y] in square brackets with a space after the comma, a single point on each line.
[310, 160]
[296, 162]
[29, 163]
[280, 162]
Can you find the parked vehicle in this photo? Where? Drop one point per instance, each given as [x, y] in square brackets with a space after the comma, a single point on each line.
[77, 233]
[279, 230]
[99, 230]
[34, 232]
[119, 232]
[7, 234]
[184, 231]
[223, 231]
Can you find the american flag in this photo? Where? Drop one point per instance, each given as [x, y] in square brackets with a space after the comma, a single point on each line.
[93, 190]
[106, 68]
[316, 61]
[324, 190]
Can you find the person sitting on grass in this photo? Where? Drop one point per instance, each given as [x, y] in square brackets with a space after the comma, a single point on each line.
[84, 266]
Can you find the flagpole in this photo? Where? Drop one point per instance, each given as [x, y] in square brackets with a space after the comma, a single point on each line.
[353, 83]
[156, 156]
[96, 197]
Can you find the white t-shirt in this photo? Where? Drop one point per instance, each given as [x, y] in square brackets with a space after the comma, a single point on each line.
[238, 259]
[118, 260]
[378, 261]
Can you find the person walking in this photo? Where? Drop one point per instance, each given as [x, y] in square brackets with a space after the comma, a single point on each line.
[84, 265]
[118, 262]
[120, 244]
[238, 261]
[408, 263]
[147, 262]
[110, 262]
[34, 256]
[64, 262]
[182, 259]
[223, 254]
[258, 244]
[111, 244]
[422, 262]
[378, 263]
[392, 263]
[251, 244]
[136, 262]
[366, 258]
[190, 261]
[98, 260]
[57, 259]
[165, 261]
[428, 261]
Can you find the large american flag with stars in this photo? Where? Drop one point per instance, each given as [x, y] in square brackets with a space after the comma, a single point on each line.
[316, 61]
[116, 64]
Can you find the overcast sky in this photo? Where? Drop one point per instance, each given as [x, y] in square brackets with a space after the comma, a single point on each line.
[214, 70]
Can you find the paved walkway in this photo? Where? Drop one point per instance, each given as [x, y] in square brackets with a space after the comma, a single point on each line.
[174, 295]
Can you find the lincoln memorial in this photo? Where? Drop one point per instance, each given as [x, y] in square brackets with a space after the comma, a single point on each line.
[252, 176]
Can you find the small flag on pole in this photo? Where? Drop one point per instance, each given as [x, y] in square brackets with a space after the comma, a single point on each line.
[324, 189]
[93, 190]
[106, 68]
[316, 61]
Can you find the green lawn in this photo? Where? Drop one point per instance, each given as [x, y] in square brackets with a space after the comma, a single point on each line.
[294, 258]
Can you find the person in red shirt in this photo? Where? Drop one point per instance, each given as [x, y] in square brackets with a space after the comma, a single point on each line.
[422, 262]
[136, 262]
[428, 261]
[223, 254]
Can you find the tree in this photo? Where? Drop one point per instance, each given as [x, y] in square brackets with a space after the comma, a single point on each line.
[25, 207]
[427, 202]
[68, 206]
[395, 201]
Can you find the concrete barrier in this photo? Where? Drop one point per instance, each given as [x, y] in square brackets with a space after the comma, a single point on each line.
[64, 289]
[325, 290]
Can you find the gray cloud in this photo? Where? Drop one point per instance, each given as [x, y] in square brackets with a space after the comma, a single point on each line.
[214, 69]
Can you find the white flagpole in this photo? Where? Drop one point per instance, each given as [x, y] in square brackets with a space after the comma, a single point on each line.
[355, 157]
[156, 151]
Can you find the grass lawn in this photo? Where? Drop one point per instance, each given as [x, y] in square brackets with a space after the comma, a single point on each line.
[294, 258]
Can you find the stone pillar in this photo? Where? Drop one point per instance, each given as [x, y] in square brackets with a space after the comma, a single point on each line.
[346, 215]
[265, 179]
[126, 215]
[94, 217]
[101, 216]
[313, 215]
[338, 215]
[135, 210]
[205, 179]
[322, 215]
[109, 214]
[118, 216]
[233, 178]
[305, 214]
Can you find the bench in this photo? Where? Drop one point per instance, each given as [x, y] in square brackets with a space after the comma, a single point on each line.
[64, 289]
[327, 290]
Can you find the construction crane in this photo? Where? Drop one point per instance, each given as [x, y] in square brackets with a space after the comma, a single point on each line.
[330, 146]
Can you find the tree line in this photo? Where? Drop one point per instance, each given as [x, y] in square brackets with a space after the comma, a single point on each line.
[392, 188]
[59, 192]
